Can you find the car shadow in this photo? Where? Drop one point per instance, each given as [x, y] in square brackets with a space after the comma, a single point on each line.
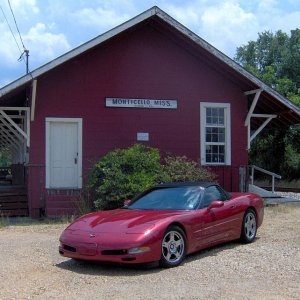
[108, 269]
[116, 269]
[215, 250]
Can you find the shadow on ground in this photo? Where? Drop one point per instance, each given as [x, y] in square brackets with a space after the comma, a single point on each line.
[115, 269]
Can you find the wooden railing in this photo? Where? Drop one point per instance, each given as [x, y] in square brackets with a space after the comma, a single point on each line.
[274, 175]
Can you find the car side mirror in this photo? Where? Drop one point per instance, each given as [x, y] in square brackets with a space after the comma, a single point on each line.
[127, 202]
[215, 204]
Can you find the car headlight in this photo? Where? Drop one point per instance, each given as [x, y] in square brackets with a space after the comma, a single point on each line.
[138, 250]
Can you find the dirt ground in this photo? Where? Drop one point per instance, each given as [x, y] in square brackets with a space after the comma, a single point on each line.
[269, 268]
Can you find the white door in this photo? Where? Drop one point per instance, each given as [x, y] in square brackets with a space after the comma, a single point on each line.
[63, 153]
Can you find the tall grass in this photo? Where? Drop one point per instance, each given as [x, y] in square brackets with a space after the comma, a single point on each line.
[4, 221]
[84, 204]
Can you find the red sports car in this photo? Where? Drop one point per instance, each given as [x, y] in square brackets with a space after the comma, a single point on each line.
[164, 223]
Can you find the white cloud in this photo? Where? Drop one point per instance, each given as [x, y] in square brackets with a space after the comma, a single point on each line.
[268, 6]
[227, 26]
[24, 8]
[9, 51]
[286, 22]
[44, 45]
[189, 15]
[100, 17]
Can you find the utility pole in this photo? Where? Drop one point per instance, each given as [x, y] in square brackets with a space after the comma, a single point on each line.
[26, 52]
[27, 60]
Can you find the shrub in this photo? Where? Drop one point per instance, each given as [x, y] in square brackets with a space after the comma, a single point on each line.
[123, 173]
[180, 169]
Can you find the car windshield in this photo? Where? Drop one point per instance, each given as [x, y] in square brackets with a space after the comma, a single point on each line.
[177, 198]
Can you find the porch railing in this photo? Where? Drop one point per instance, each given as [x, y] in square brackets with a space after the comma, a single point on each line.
[274, 175]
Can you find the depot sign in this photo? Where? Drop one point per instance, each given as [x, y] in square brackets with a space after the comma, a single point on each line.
[141, 103]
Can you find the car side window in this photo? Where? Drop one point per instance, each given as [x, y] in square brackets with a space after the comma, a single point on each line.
[212, 193]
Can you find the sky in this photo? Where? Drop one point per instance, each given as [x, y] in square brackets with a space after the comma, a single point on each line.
[50, 28]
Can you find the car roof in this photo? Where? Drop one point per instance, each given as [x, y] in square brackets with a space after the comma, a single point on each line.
[203, 184]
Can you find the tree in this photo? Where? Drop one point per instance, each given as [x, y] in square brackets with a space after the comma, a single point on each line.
[5, 158]
[275, 59]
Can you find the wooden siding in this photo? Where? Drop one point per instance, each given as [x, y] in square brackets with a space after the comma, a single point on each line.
[141, 64]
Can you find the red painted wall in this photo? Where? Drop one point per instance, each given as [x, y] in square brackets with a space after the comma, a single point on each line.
[142, 64]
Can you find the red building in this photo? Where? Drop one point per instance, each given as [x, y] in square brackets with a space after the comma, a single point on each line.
[149, 80]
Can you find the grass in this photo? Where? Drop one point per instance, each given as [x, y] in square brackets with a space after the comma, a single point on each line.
[24, 221]
[283, 208]
[4, 221]
[279, 183]
[84, 204]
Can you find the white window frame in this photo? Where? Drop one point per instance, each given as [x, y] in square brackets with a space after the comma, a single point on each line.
[79, 162]
[227, 122]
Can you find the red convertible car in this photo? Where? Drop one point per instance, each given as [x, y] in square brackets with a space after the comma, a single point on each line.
[164, 223]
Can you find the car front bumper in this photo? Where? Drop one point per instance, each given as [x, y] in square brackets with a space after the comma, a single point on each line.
[111, 248]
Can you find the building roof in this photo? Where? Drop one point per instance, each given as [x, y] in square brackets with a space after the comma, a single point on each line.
[288, 113]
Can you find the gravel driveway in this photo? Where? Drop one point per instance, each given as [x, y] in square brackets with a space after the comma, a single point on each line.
[269, 268]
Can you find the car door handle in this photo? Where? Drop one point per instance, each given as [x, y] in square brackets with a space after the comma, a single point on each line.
[232, 206]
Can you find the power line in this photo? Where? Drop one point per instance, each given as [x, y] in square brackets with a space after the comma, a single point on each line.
[26, 52]
[10, 29]
[16, 25]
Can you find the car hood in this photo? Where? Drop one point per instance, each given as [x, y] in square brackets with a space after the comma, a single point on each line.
[123, 220]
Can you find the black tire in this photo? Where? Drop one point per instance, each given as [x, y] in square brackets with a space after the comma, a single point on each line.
[173, 247]
[249, 226]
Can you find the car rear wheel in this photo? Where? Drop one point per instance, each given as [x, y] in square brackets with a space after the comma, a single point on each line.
[249, 226]
[173, 247]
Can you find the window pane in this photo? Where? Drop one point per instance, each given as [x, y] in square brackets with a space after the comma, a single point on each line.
[221, 120]
[208, 116]
[222, 135]
[215, 153]
[215, 116]
[215, 135]
[208, 136]
[208, 154]
[221, 154]
[208, 158]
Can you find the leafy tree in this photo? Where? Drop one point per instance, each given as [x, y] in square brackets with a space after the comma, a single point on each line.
[5, 158]
[275, 59]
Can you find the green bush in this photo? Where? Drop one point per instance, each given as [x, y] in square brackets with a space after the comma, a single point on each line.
[180, 169]
[123, 173]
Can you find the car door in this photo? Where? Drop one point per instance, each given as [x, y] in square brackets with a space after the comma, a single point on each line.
[216, 224]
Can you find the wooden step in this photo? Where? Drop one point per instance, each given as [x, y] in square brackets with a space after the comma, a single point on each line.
[13, 205]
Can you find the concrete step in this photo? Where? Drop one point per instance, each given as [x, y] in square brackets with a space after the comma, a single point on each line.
[262, 192]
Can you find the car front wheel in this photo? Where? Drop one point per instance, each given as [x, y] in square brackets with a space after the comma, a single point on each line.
[249, 226]
[173, 247]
